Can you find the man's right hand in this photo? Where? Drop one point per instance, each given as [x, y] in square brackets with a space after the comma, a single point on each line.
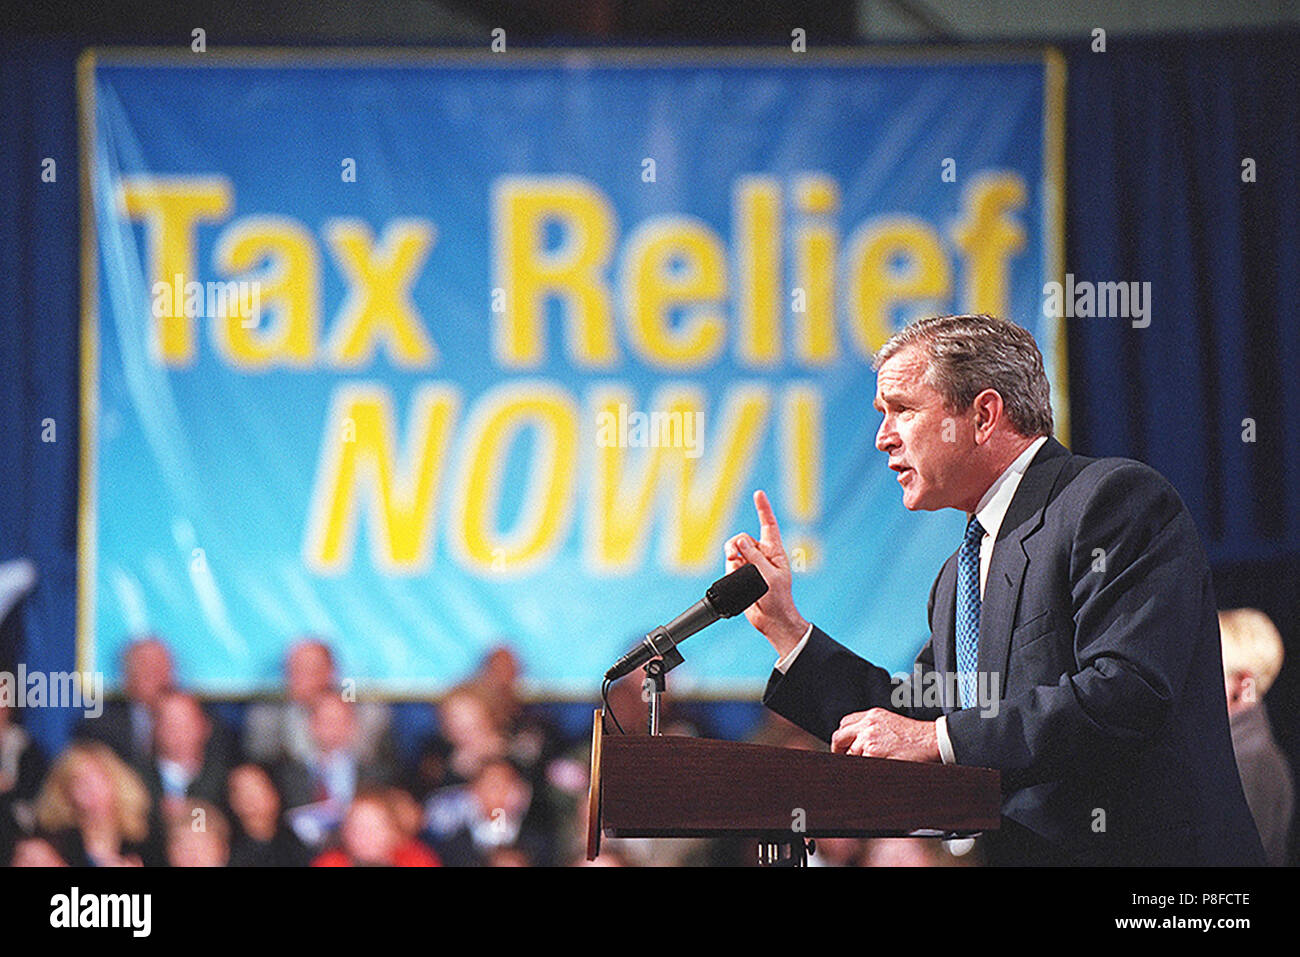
[774, 614]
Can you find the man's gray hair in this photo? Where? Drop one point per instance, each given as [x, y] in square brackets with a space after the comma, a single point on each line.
[968, 354]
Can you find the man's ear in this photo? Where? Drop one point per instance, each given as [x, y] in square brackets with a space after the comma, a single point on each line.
[988, 413]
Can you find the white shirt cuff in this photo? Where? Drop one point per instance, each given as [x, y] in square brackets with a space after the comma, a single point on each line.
[945, 742]
[783, 664]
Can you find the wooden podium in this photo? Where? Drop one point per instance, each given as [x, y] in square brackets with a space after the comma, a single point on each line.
[667, 786]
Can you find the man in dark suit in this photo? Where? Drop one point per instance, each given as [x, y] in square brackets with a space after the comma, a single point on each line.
[1074, 642]
[148, 674]
[192, 754]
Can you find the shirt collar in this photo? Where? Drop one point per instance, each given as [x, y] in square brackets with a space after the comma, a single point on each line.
[993, 506]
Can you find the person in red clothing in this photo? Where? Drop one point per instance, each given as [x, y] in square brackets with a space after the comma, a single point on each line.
[371, 836]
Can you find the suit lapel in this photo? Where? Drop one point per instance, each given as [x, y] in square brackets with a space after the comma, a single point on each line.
[943, 628]
[1009, 561]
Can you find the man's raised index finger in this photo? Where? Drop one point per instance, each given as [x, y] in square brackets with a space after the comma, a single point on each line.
[771, 532]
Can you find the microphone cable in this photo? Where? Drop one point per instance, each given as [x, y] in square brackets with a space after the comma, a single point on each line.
[604, 697]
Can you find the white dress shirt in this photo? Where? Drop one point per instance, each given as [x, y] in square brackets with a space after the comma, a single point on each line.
[992, 509]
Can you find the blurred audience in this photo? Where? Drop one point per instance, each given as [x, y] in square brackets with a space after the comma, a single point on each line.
[198, 836]
[190, 760]
[498, 676]
[320, 789]
[127, 726]
[157, 781]
[22, 766]
[337, 761]
[261, 837]
[482, 720]
[1252, 658]
[470, 734]
[407, 812]
[95, 810]
[280, 730]
[372, 836]
[468, 824]
[531, 741]
[36, 852]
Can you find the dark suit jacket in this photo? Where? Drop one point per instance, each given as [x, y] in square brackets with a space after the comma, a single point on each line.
[114, 728]
[1098, 617]
[299, 784]
[210, 783]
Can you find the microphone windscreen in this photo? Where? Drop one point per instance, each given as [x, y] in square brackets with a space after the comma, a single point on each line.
[733, 593]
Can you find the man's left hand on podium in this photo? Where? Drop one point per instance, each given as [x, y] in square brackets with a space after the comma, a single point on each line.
[880, 733]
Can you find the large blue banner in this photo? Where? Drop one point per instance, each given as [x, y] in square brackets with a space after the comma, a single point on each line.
[424, 355]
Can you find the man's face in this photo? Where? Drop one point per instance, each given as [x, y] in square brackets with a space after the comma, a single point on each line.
[181, 729]
[148, 671]
[928, 445]
[310, 671]
[332, 724]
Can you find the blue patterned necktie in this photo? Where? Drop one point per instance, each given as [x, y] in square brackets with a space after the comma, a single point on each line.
[968, 611]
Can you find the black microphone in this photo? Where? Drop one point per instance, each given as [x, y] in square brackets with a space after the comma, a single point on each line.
[726, 598]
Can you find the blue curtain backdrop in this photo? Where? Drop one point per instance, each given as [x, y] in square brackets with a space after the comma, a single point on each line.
[39, 293]
[1156, 134]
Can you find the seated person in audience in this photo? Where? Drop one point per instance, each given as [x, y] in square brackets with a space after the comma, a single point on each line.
[190, 759]
[466, 824]
[127, 726]
[278, 730]
[35, 852]
[95, 810]
[409, 814]
[1252, 658]
[320, 789]
[371, 836]
[484, 719]
[261, 836]
[469, 735]
[531, 741]
[198, 836]
[431, 768]
[498, 677]
[22, 765]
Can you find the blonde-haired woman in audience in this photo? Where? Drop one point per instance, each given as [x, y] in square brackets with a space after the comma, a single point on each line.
[1252, 658]
[95, 810]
